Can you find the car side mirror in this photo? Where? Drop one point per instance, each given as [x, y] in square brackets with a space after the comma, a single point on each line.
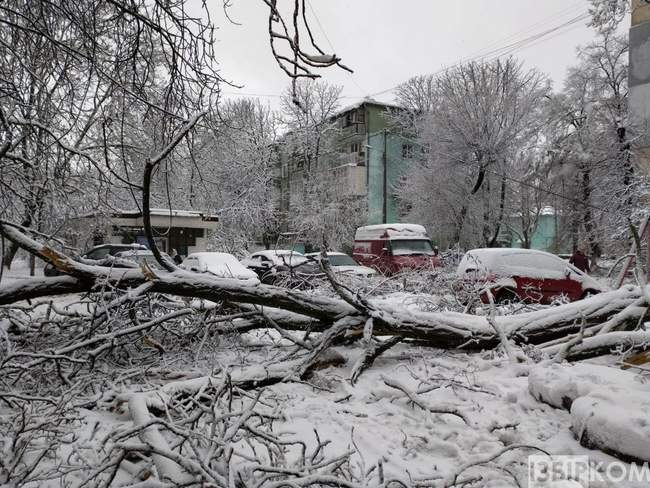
[567, 272]
[194, 268]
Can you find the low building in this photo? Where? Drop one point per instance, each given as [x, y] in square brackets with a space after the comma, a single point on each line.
[543, 233]
[182, 230]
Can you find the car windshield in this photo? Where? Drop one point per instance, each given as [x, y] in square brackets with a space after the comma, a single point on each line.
[411, 246]
[342, 260]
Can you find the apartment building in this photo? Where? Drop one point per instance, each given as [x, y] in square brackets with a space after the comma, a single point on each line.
[365, 161]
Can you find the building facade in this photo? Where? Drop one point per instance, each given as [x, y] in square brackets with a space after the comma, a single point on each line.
[182, 230]
[639, 79]
[366, 163]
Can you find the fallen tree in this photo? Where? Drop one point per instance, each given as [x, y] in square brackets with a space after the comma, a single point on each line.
[121, 321]
[300, 310]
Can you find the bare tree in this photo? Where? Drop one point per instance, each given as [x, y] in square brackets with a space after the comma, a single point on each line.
[481, 114]
[321, 208]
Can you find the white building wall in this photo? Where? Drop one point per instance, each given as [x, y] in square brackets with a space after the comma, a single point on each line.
[201, 245]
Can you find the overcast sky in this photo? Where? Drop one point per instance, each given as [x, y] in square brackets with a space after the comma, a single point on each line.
[388, 41]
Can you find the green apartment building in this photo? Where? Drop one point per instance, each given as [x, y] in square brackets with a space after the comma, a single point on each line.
[366, 163]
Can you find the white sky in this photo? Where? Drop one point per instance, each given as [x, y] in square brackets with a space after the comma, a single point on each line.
[388, 41]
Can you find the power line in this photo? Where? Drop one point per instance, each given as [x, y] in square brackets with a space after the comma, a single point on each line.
[517, 46]
[504, 50]
[508, 49]
[573, 9]
[269, 95]
[322, 29]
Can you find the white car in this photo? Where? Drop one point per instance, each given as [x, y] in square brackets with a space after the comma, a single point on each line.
[342, 263]
[220, 264]
[271, 258]
[141, 256]
[275, 264]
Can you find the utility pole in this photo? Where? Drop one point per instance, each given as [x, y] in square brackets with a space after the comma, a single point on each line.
[385, 190]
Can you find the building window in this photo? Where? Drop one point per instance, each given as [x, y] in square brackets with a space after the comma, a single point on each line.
[355, 117]
[407, 151]
[354, 147]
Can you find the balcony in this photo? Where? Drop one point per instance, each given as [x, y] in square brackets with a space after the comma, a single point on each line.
[351, 179]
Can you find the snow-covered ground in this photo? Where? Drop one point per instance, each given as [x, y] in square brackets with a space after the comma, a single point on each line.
[501, 412]
[20, 270]
[381, 425]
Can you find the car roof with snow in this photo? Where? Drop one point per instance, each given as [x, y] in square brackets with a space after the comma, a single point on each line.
[390, 231]
[329, 253]
[213, 256]
[136, 252]
[496, 252]
[277, 252]
[500, 259]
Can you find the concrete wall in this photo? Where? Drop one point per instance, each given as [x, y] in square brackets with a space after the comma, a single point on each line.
[201, 245]
[639, 79]
[640, 12]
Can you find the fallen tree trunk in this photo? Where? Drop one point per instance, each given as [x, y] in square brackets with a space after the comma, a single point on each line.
[605, 344]
[439, 329]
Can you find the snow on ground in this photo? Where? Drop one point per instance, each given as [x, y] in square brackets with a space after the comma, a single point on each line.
[493, 396]
[379, 423]
[20, 270]
[504, 405]
[610, 408]
[560, 385]
[616, 420]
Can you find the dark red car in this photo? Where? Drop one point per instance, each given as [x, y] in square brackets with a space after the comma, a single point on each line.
[526, 275]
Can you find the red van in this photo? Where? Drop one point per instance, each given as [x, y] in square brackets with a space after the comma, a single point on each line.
[391, 248]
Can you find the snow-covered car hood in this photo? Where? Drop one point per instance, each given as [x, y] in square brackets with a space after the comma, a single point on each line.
[355, 270]
[237, 273]
[590, 283]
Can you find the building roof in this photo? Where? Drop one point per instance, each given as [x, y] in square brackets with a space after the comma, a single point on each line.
[366, 101]
[348, 108]
[165, 212]
[160, 217]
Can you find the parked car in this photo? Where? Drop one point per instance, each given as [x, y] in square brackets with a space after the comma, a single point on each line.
[276, 264]
[98, 253]
[342, 263]
[140, 256]
[220, 264]
[524, 274]
[391, 248]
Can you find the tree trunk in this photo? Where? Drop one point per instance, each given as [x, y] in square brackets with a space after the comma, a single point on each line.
[502, 206]
[626, 161]
[587, 216]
